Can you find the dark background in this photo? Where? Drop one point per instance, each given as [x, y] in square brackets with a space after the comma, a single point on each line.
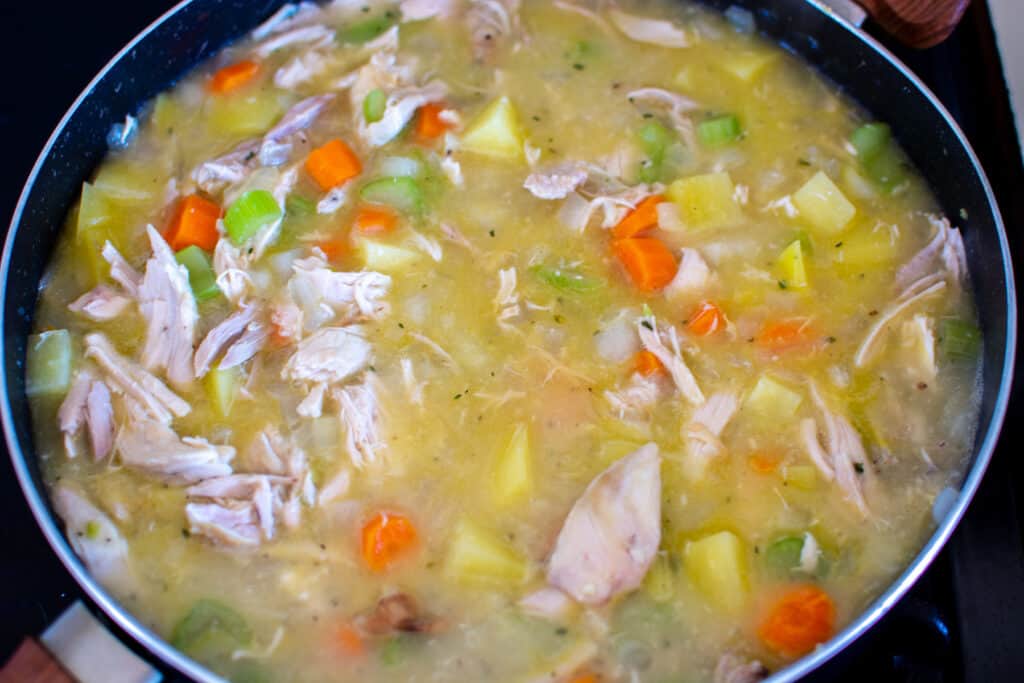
[963, 621]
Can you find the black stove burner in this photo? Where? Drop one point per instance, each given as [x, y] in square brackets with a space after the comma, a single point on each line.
[964, 620]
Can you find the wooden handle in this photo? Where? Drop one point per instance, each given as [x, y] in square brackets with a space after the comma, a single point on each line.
[917, 23]
[31, 663]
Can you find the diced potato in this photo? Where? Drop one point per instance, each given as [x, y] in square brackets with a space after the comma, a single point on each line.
[222, 388]
[244, 114]
[717, 565]
[705, 201]
[94, 209]
[790, 265]
[496, 132]
[856, 184]
[823, 205]
[863, 247]
[48, 363]
[127, 182]
[803, 477]
[513, 475]
[89, 249]
[773, 399]
[479, 556]
[747, 65]
[386, 258]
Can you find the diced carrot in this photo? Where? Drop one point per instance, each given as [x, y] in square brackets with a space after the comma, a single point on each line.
[648, 261]
[350, 641]
[334, 249]
[234, 76]
[706, 319]
[428, 122]
[375, 220]
[799, 621]
[647, 364]
[194, 222]
[386, 538]
[763, 463]
[784, 333]
[332, 164]
[643, 217]
[586, 677]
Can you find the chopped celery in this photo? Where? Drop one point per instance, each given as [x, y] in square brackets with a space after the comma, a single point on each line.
[784, 554]
[48, 363]
[886, 169]
[249, 213]
[513, 477]
[479, 556]
[297, 205]
[394, 651]
[719, 131]
[496, 132]
[200, 272]
[366, 30]
[792, 272]
[717, 565]
[208, 624]
[706, 201]
[960, 339]
[655, 140]
[222, 388]
[823, 205]
[374, 104]
[870, 140]
[401, 193]
[566, 279]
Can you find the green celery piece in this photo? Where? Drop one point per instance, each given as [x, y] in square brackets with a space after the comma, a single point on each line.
[200, 272]
[566, 279]
[374, 104]
[654, 140]
[366, 30]
[870, 140]
[48, 363]
[210, 620]
[719, 131]
[402, 193]
[394, 651]
[297, 205]
[249, 213]
[886, 168]
[784, 554]
[961, 340]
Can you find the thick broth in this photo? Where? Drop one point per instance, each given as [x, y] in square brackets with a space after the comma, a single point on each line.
[542, 369]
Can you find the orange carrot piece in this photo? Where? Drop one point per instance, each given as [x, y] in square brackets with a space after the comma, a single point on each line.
[233, 77]
[642, 218]
[375, 220]
[648, 261]
[763, 463]
[799, 621]
[647, 364]
[784, 333]
[386, 538]
[587, 677]
[332, 164]
[194, 221]
[428, 122]
[350, 641]
[334, 249]
[706, 319]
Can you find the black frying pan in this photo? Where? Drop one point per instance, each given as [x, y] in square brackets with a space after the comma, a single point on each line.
[197, 29]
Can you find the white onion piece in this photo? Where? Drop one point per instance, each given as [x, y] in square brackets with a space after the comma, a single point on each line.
[399, 167]
[617, 342]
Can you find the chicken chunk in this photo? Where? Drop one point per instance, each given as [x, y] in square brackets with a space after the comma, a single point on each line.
[359, 412]
[100, 304]
[93, 536]
[702, 431]
[328, 356]
[611, 535]
[351, 296]
[127, 378]
[155, 449]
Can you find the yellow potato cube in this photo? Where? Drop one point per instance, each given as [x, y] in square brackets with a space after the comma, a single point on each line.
[823, 206]
[386, 258]
[717, 565]
[772, 399]
[803, 477]
[496, 132]
[705, 201]
[513, 476]
[476, 555]
[790, 265]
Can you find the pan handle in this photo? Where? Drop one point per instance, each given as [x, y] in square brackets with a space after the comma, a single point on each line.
[917, 23]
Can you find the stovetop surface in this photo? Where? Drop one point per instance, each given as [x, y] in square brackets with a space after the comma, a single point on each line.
[964, 620]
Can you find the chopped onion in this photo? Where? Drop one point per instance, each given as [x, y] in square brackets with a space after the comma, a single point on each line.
[617, 342]
[399, 167]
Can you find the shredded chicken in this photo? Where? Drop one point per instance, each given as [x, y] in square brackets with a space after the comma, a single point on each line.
[557, 181]
[223, 337]
[154, 448]
[673, 361]
[611, 535]
[289, 16]
[703, 430]
[418, 10]
[490, 22]
[918, 341]
[127, 378]
[93, 536]
[734, 669]
[919, 290]
[100, 304]
[614, 203]
[347, 297]
[810, 554]
[301, 69]
[121, 272]
[651, 31]
[693, 277]
[399, 109]
[845, 454]
[675, 106]
[548, 603]
[167, 304]
[359, 412]
[87, 404]
[945, 249]
[232, 279]
[635, 400]
[328, 356]
[507, 299]
[316, 35]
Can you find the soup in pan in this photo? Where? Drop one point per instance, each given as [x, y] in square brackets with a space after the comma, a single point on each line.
[503, 341]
